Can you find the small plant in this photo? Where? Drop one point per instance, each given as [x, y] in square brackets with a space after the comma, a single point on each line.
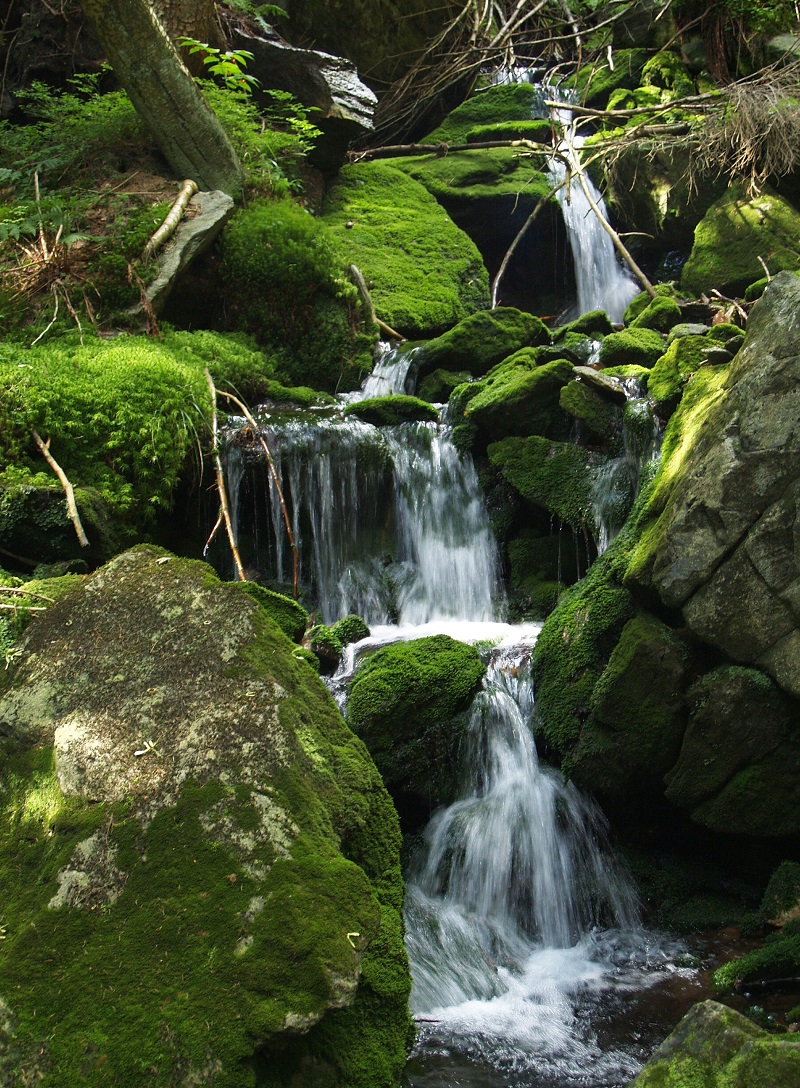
[227, 66]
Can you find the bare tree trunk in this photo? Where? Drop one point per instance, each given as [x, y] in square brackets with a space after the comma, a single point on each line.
[165, 96]
[189, 19]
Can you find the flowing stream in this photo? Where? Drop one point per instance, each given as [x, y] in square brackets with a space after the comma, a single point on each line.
[526, 951]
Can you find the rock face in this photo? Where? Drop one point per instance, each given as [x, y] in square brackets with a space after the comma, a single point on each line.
[726, 548]
[715, 1046]
[198, 859]
[695, 696]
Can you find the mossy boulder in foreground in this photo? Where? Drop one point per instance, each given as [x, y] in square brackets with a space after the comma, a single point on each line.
[402, 704]
[199, 862]
[717, 1047]
[482, 341]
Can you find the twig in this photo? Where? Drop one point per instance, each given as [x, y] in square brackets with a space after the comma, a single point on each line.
[19, 558]
[366, 298]
[763, 264]
[28, 608]
[168, 227]
[724, 298]
[52, 319]
[68, 490]
[275, 479]
[223, 495]
[213, 533]
[519, 236]
[5, 590]
[151, 322]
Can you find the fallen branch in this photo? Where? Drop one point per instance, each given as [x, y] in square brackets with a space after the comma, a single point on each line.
[366, 299]
[68, 489]
[170, 224]
[223, 495]
[151, 321]
[394, 151]
[27, 607]
[19, 591]
[19, 558]
[275, 479]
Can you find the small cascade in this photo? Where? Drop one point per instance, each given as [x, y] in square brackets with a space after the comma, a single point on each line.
[603, 282]
[616, 484]
[390, 522]
[506, 901]
[389, 375]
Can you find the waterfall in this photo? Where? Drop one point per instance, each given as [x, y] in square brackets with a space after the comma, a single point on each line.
[389, 522]
[603, 282]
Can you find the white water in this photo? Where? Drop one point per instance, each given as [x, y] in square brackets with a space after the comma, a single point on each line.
[603, 281]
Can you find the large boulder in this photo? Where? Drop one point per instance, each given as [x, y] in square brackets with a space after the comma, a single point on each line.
[483, 340]
[200, 864]
[734, 233]
[715, 1046]
[721, 537]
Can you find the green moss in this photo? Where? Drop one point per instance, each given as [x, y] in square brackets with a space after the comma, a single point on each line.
[594, 323]
[540, 132]
[424, 274]
[779, 958]
[734, 233]
[495, 105]
[402, 704]
[595, 82]
[521, 398]
[573, 650]
[482, 341]
[282, 611]
[661, 314]
[667, 71]
[473, 183]
[283, 281]
[350, 629]
[540, 569]
[386, 411]
[215, 938]
[640, 347]
[674, 369]
[782, 893]
[599, 415]
[552, 475]
[437, 386]
[640, 303]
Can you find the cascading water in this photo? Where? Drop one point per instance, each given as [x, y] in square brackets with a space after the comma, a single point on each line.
[603, 283]
[519, 921]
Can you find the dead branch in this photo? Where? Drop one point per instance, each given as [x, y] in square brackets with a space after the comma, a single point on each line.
[151, 321]
[68, 490]
[395, 151]
[519, 236]
[223, 495]
[366, 299]
[170, 224]
[275, 479]
[19, 591]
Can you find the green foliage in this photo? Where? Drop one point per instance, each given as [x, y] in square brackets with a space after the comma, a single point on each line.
[424, 273]
[283, 282]
[751, 17]
[227, 66]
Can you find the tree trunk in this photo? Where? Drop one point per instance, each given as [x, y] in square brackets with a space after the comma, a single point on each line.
[189, 19]
[165, 96]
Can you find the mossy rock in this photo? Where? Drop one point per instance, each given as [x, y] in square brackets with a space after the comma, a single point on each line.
[519, 397]
[403, 702]
[350, 629]
[327, 647]
[637, 713]
[661, 314]
[639, 347]
[640, 303]
[595, 82]
[716, 1047]
[572, 652]
[552, 475]
[779, 958]
[540, 568]
[482, 341]
[667, 71]
[599, 416]
[285, 613]
[672, 371]
[251, 832]
[424, 273]
[437, 386]
[737, 717]
[594, 323]
[283, 278]
[734, 233]
[513, 102]
[391, 410]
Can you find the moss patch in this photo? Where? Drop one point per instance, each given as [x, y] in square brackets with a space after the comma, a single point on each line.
[553, 475]
[483, 340]
[402, 704]
[520, 397]
[639, 347]
[423, 272]
[386, 411]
